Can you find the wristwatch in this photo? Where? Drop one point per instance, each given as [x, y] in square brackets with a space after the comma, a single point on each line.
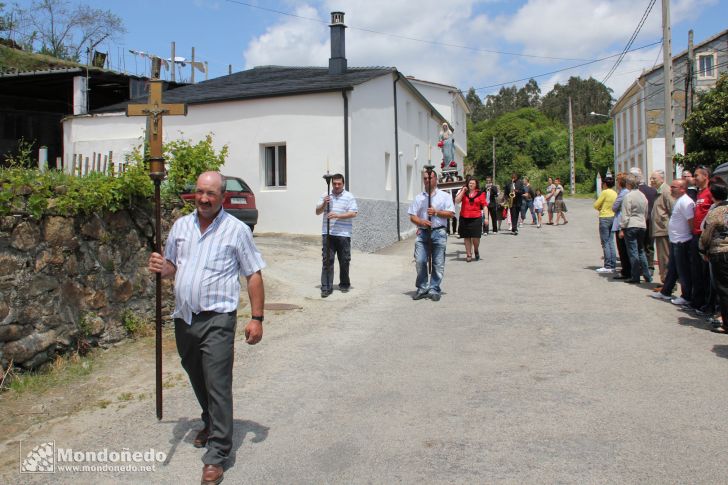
[257, 317]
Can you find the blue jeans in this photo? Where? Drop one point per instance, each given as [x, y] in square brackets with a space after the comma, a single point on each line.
[605, 236]
[430, 283]
[678, 267]
[634, 239]
[527, 206]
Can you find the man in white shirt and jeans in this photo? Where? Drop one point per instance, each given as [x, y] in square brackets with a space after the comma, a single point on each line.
[680, 234]
[435, 239]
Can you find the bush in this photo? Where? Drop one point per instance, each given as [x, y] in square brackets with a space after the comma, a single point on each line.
[28, 191]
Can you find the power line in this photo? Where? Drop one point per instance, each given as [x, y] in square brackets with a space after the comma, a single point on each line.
[565, 68]
[631, 40]
[414, 39]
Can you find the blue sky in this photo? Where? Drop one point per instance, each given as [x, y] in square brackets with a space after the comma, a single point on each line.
[533, 37]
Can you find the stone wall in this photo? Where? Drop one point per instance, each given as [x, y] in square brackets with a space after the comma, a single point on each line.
[71, 281]
[375, 227]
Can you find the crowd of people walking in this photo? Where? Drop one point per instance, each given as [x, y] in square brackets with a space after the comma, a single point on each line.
[683, 224]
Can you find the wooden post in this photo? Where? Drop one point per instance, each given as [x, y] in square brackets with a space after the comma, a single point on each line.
[192, 67]
[106, 159]
[111, 162]
[667, 72]
[85, 168]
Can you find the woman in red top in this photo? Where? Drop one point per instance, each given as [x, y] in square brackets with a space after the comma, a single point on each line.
[471, 221]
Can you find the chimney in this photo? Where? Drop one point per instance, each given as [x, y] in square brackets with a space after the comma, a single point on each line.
[337, 62]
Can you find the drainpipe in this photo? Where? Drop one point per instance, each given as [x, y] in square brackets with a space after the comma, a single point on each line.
[346, 138]
[396, 154]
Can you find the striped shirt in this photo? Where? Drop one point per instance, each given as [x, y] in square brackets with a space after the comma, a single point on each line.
[441, 201]
[340, 204]
[209, 265]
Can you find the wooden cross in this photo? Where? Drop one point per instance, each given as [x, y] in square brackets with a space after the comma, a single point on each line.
[154, 110]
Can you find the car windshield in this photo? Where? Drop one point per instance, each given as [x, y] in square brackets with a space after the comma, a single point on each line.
[236, 185]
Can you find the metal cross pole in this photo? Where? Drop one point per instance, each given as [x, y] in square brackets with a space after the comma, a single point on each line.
[429, 168]
[154, 110]
[328, 178]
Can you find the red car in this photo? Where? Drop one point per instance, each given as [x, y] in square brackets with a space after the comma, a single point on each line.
[239, 200]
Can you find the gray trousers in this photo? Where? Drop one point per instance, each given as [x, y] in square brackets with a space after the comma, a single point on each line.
[207, 350]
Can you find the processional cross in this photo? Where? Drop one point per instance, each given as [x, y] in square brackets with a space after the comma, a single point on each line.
[154, 110]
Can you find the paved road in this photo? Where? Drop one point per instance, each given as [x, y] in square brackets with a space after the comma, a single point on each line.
[531, 369]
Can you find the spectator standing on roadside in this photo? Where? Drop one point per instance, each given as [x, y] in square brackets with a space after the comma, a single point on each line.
[606, 219]
[700, 271]
[626, 271]
[632, 228]
[659, 220]
[679, 230]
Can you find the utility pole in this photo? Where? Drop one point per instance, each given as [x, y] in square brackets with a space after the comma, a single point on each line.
[493, 159]
[192, 66]
[171, 75]
[689, 80]
[572, 179]
[669, 113]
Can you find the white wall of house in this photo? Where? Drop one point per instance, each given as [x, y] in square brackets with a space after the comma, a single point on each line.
[445, 100]
[310, 126]
[312, 129]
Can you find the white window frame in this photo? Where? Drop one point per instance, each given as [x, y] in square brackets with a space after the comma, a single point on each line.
[277, 166]
[714, 65]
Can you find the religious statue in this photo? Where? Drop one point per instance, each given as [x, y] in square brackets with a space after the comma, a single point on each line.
[447, 144]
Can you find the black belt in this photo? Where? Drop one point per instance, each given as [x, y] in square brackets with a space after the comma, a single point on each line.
[438, 227]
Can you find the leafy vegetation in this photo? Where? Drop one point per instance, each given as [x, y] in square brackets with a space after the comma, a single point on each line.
[135, 325]
[25, 190]
[706, 129]
[531, 144]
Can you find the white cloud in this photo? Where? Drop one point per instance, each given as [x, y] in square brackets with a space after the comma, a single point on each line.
[299, 42]
[577, 29]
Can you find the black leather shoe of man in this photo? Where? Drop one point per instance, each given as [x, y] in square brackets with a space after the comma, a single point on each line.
[211, 475]
[419, 295]
[201, 438]
[325, 293]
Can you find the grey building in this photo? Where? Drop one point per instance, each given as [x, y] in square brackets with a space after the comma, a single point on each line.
[639, 114]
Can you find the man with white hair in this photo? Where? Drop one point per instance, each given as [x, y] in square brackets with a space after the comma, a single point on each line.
[632, 229]
[660, 217]
[651, 194]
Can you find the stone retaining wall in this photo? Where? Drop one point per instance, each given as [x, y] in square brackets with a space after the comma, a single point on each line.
[67, 282]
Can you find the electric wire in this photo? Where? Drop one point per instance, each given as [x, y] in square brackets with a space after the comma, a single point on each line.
[631, 40]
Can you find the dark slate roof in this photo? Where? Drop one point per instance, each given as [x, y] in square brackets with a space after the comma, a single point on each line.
[262, 82]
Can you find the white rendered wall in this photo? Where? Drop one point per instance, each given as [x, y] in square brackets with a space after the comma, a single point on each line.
[311, 126]
[446, 103]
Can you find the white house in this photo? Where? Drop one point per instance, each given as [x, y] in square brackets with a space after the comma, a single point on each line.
[639, 114]
[287, 126]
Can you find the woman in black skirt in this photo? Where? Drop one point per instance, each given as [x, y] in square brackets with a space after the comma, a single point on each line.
[470, 228]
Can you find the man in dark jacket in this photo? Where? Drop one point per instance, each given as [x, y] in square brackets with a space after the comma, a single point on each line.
[513, 192]
[651, 194]
[491, 195]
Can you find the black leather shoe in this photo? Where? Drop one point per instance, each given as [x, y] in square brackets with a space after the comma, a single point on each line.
[620, 277]
[201, 438]
[325, 293]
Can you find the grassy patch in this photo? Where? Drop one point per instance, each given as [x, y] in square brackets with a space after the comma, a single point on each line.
[62, 371]
[135, 325]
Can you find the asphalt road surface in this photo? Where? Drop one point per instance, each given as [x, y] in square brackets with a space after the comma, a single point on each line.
[532, 368]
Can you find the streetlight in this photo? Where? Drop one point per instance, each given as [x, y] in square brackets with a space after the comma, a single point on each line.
[599, 114]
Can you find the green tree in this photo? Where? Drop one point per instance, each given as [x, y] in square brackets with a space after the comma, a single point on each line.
[587, 95]
[706, 129]
[475, 105]
[58, 29]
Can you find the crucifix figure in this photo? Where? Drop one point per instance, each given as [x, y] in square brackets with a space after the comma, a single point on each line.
[154, 110]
